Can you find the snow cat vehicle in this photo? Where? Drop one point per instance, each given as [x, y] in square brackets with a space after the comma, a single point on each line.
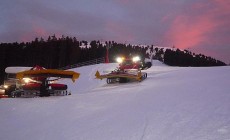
[10, 82]
[129, 70]
[39, 81]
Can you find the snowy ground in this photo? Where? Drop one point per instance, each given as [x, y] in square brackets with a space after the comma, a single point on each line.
[173, 103]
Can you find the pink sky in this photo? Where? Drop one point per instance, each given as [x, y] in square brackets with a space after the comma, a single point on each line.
[199, 25]
[205, 28]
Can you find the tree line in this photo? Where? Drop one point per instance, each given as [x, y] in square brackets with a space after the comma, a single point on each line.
[186, 58]
[60, 52]
[51, 53]
[56, 52]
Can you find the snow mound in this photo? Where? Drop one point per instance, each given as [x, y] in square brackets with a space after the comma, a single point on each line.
[157, 63]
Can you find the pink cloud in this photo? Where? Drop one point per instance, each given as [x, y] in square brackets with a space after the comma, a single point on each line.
[191, 30]
[184, 33]
[37, 32]
[224, 4]
[25, 37]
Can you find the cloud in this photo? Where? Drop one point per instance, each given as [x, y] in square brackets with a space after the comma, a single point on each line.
[191, 29]
[188, 32]
[202, 27]
[194, 24]
[118, 31]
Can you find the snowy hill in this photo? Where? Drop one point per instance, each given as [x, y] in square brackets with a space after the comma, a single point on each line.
[173, 103]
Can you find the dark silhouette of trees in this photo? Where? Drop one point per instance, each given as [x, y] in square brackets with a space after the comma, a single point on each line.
[60, 52]
[51, 53]
[186, 58]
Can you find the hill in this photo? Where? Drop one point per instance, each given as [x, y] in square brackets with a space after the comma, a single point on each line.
[172, 103]
[60, 52]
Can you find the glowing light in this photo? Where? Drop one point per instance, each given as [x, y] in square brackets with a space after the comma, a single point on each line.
[135, 59]
[26, 80]
[5, 86]
[120, 59]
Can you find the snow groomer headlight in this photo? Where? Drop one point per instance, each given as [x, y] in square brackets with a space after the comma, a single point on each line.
[26, 80]
[136, 58]
[120, 59]
[5, 86]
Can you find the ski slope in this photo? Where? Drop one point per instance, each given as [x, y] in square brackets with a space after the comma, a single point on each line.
[173, 103]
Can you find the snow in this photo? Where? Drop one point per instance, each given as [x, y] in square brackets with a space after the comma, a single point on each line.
[173, 103]
[16, 69]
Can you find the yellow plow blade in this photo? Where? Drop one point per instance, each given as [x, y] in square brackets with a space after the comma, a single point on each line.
[119, 75]
[48, 73]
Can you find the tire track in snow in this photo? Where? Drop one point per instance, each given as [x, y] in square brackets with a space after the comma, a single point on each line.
[145, 128]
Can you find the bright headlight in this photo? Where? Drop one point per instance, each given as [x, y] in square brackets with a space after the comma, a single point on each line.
[135, 59]
[119, 59]
[5, 86]
[26, 80]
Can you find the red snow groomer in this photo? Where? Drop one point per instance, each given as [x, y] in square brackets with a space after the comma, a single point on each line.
[39, 81]
[129, 70]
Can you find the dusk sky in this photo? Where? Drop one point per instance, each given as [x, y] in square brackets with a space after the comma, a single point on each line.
[202, 26]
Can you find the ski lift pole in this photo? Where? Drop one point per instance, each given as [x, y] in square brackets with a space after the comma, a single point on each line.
[107, 53]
